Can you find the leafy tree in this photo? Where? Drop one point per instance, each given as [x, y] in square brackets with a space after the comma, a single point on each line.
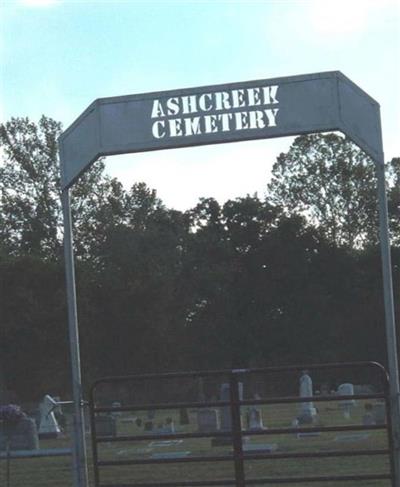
[30, 207]
[33, 328]
[394, 200]
[328, 179]
[136, 292]
[220, 267]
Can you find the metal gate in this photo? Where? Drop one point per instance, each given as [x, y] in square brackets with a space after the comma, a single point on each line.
[341, 434]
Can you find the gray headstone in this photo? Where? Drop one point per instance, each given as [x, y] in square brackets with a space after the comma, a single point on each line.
[368, 419]
[207, 420]
[106, 426]
[24, 436]
[183, 416]
[201, 394]
[226, 422]
[116, 404]
[379, 413]
[165, 429]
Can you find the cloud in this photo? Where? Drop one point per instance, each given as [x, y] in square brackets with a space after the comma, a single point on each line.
[39, 3]
[182, 176]
[345, 17]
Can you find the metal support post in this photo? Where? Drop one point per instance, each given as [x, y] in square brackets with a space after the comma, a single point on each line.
[236, 428]
[79, 446]
[391, 338]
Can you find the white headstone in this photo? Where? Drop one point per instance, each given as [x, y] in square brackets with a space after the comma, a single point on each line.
[346, 406]
[255, 419]
[48, 425]
[307, 409]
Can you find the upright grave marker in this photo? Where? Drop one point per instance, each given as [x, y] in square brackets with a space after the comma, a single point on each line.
[250, 110]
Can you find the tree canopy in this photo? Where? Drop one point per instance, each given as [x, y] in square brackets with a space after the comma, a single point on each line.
[294, 277]
[332, 182]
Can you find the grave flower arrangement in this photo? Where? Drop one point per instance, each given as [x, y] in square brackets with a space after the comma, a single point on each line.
[10, 415]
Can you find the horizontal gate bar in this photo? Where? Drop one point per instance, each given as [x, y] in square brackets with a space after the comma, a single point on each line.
[269, 480]
[326, 478]
[228, 372]
[212, 434]
[180, 483]
[147, 461]
[245, 456]
[43, 452]
[246, 402]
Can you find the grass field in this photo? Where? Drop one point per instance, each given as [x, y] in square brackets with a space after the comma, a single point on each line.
[56, 472]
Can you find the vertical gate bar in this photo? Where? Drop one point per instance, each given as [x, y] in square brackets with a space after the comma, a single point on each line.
[79, 450]
[389, 429]
[236, 430]
[95, 455]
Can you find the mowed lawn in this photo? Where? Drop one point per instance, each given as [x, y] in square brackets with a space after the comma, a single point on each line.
[56, 472]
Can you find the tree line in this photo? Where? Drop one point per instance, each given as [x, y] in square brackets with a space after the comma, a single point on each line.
[292, 277]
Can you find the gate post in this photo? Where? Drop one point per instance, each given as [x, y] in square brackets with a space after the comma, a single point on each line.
[79, 445]
[391, 336]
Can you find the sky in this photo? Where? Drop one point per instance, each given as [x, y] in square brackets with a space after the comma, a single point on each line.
[57, 56]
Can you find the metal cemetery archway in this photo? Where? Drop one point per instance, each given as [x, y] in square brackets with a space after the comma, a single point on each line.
[216, 114]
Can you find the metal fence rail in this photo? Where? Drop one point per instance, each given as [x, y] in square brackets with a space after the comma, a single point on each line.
[238, 435]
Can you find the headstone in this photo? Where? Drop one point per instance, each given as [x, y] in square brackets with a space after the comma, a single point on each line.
[379, 412]
[255, 419]
[260, 447]
[116, 404]
[183, 416]
[106, 425]
[368, 419]
[48, 424]
[169, 423]
[207, 420]
[170, 455]
[311, 434]
[324, 389]
[165, 429]
[363, 389]
[346, 406]
[24, 436]
[201, 394]
[307, 411]
[164, 443]
[351, 437]
[226, 421]
[148, 426]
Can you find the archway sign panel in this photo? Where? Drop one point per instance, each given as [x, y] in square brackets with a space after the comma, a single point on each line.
[221, 113]
[234, 112]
